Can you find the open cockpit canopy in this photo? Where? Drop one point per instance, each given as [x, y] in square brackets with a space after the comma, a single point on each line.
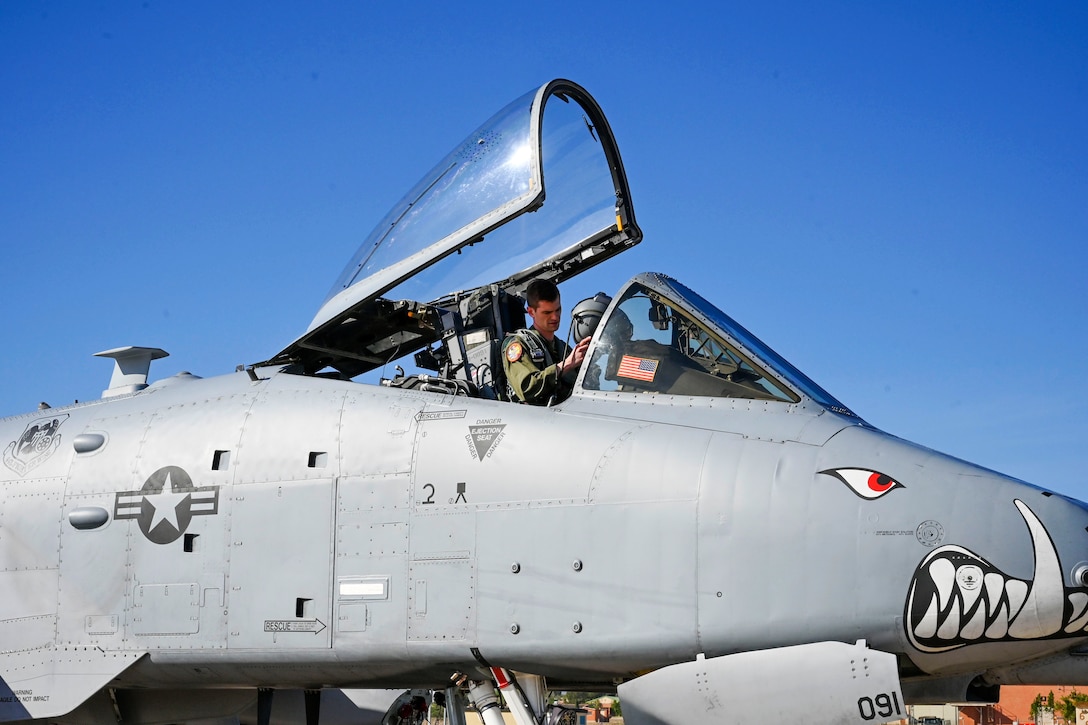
[538, 191]
[463, 232]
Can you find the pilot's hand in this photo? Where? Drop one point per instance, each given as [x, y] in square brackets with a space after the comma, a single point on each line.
[575, 357]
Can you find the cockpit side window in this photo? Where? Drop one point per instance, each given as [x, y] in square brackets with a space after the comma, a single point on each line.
[649, 345]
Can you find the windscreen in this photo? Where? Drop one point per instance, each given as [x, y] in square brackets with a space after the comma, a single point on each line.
[761, 350]
[652, 345]
[661, 337]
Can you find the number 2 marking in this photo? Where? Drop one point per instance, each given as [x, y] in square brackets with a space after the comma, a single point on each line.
[430, 498]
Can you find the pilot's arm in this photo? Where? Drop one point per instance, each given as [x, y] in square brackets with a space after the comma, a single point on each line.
[529, 383]
[536, 385]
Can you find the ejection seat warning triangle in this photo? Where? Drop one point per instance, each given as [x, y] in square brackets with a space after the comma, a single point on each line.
[484, 439]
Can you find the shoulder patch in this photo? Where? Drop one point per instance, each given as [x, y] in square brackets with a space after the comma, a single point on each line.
[513, 351]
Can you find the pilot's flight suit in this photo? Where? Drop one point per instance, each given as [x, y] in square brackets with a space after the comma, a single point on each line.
[532, 367]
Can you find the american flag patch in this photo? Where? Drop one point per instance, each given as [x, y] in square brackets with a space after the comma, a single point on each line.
[637, 368]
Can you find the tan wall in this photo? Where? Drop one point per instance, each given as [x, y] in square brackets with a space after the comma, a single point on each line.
[1015, 705]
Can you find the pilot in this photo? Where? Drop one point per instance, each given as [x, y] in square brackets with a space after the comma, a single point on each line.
[540, 367]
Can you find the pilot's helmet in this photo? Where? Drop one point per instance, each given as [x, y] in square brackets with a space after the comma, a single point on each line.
[587, 315]
[619, 329]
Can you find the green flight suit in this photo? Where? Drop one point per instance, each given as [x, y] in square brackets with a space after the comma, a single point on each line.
[533, 377]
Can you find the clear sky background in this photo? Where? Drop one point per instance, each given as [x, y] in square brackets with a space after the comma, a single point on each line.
[892, 195]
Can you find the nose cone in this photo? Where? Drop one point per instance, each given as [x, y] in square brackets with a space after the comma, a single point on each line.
[975, 557]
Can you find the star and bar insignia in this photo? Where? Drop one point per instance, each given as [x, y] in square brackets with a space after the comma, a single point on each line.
[166, 504]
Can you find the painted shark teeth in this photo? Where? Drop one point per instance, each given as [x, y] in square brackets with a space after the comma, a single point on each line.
[958, 598]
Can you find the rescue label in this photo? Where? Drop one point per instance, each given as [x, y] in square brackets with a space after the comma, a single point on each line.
[441, 415]
[294, 625]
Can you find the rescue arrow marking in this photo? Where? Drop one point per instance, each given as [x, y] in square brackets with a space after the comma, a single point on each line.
[293, 625]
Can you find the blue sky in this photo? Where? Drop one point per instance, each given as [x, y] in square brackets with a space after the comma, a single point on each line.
[892, 195]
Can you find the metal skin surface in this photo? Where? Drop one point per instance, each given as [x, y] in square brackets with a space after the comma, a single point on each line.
[168, 552]
[643, 544]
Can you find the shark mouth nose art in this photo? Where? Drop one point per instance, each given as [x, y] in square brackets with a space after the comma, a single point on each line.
[957, 598]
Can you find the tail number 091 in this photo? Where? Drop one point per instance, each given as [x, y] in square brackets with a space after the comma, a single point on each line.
[885, 705]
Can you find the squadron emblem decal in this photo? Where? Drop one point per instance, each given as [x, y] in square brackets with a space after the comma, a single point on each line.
[166, 504]
[37, 443]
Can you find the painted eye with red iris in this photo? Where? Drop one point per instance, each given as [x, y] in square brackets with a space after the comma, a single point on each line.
[868, 484]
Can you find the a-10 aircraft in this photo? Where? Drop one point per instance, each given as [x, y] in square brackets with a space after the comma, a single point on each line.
[699, 526]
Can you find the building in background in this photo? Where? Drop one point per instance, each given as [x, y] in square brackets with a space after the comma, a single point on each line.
[1015, 707]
